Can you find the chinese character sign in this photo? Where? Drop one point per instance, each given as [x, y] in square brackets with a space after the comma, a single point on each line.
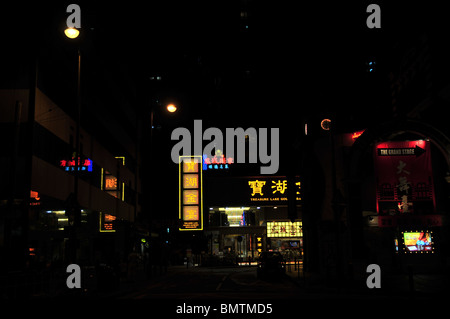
[256, 187]
[284, 229]
[272, 190]
[218, 161]
[70, 164]
[404, 178]
[190, 189]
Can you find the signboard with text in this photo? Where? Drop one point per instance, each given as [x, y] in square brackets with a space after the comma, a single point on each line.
[190, 193]
[404, 178]
[259, 190]
[106, 223]
[271, 190]
[218, 162]
[284, 229]
[84, 164]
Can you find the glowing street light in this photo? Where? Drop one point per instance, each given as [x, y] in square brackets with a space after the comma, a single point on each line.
[71, 33]
[171, 108]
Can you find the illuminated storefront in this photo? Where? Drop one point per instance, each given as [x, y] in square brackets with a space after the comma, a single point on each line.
[248, 230]
[287, 237]
[254, 217]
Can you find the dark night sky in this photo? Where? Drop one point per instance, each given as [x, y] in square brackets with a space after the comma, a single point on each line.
[300, 59]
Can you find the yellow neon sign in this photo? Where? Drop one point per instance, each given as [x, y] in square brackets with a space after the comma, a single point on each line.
[190, 213]
[190, 193]
[190, 181]
[257, 187]
[280, 186]
[262, 192]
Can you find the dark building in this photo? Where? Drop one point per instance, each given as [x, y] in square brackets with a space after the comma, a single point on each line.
[44, 220]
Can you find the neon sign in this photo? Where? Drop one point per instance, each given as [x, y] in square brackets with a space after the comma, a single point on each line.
[83, 165]
[271, 190]
[191, 193]
[34, 198]
[325, 124]
[355, 135]
[218, 161]
[110, 183]
[106, 223]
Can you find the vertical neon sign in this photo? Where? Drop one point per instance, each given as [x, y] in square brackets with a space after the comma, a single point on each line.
[190, 193]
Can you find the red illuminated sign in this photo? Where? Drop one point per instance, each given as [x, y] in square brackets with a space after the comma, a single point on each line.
[34, 195]
[34, 198]
[404, 178]
[355, 135]
[83, 164]
[218, 161]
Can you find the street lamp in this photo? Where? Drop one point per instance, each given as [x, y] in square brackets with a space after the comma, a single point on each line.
[71, 33]
[171, 108]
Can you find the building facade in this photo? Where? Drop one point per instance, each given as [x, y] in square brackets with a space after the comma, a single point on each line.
[43, 218]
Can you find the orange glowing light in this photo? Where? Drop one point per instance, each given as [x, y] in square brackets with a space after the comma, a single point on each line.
[355, 135]
[34, 195]
[109, 217]
[325, 124]
[171, 108]
[110, 183]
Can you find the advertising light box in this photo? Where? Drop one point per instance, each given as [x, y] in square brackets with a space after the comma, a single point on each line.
[418, 242]
[284, 229]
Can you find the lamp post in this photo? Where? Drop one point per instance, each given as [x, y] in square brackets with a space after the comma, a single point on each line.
[171, 108]
[73, 33]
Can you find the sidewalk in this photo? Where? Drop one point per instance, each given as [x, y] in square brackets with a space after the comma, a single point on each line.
[398, 285]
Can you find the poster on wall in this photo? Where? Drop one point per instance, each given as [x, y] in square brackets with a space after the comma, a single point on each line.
[404, 179]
